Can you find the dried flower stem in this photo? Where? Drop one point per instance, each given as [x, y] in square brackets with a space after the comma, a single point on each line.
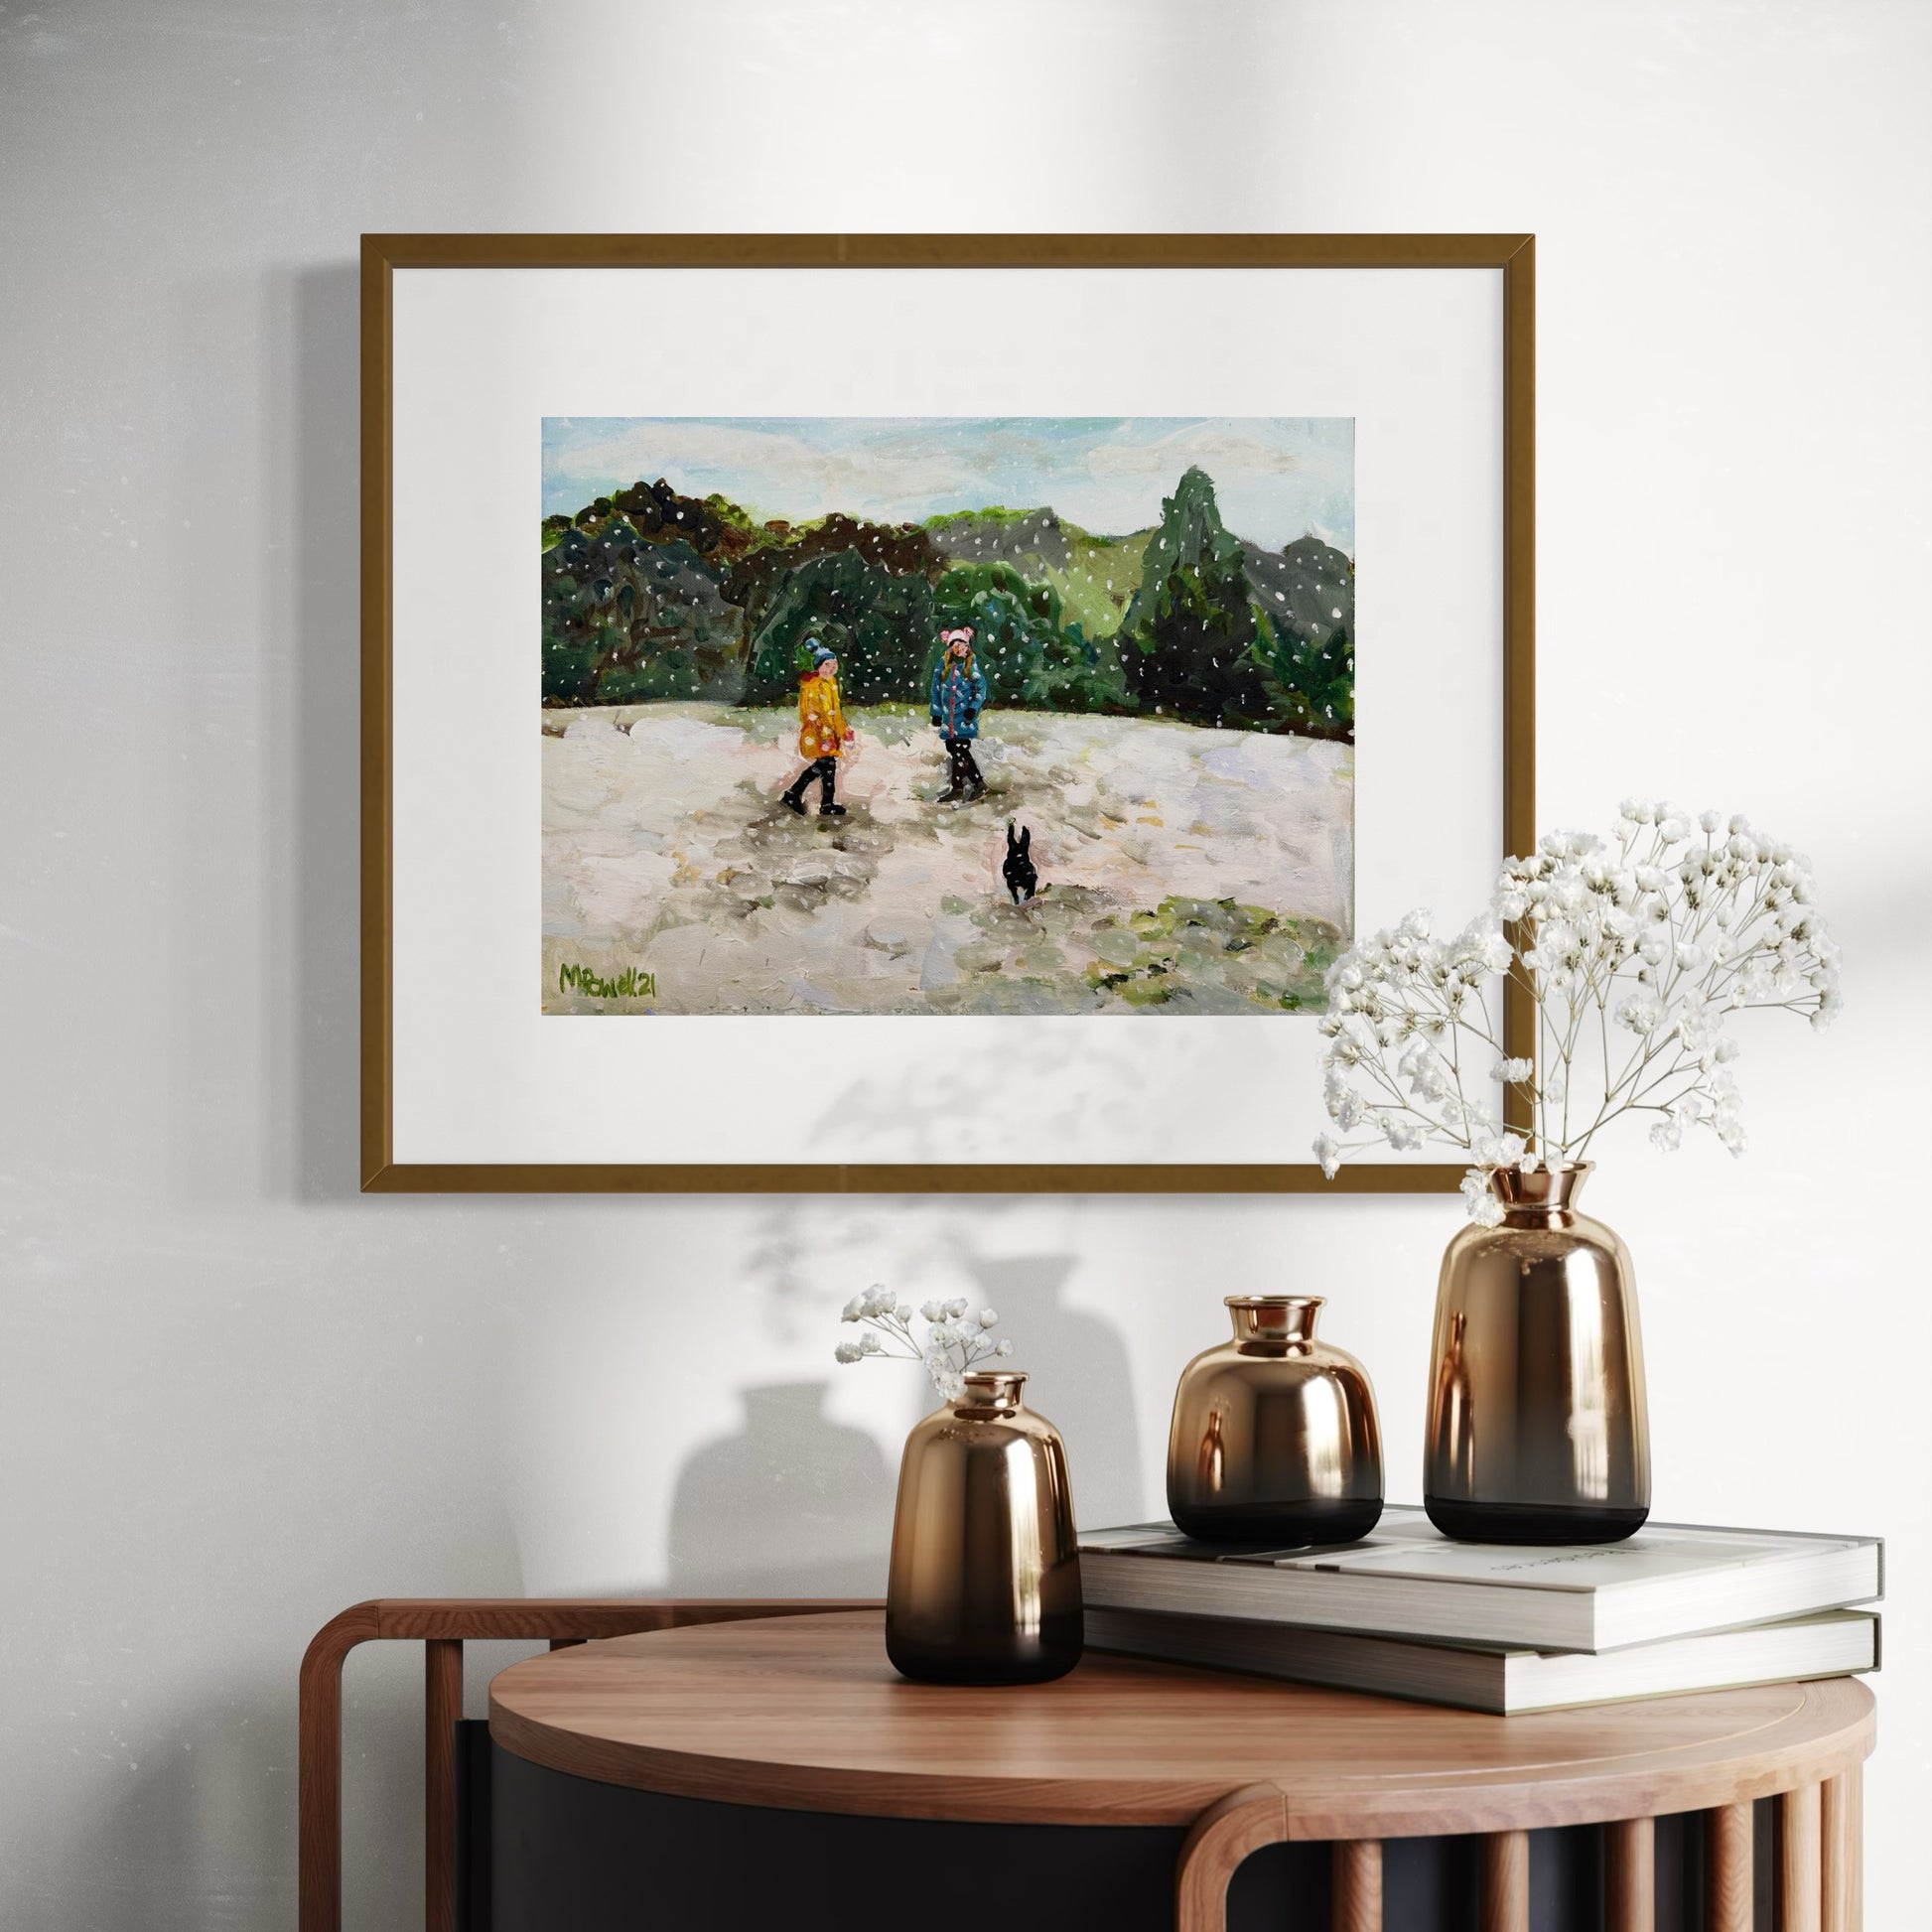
[1664, 930]
[953, 1341]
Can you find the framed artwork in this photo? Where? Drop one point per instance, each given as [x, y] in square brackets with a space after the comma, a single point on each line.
[922, 714]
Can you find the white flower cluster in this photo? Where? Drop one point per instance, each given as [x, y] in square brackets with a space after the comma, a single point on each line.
[1634, 951]
[954, 1338]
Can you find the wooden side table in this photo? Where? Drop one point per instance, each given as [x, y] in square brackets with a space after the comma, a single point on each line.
[773, 1754]
[806, 1715]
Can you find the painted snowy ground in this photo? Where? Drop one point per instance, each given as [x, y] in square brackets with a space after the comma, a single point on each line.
[1181, 869]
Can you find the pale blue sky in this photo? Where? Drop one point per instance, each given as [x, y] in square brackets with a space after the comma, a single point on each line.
[1276, 477]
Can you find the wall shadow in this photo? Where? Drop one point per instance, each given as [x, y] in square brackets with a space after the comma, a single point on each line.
[1077, 1375]
[791, 1504]
[266, 932]
[317, 728]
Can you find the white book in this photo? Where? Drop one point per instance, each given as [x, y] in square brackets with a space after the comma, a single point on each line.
[1506, 1683]
[1408, 1580]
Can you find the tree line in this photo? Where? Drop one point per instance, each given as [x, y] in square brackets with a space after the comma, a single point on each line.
[651, 595]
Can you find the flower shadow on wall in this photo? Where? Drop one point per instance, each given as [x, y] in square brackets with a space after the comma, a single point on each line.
[795, 1501]
[1078, 1376]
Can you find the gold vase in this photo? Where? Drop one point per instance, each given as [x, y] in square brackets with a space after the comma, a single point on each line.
[985, 1584]
[1274, 1437]
[1537, 1430]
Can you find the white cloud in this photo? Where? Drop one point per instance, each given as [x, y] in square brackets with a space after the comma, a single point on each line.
[1274, 478]
[1227, 449]
[778, 471]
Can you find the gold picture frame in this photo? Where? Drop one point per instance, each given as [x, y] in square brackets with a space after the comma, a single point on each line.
[1512, 254]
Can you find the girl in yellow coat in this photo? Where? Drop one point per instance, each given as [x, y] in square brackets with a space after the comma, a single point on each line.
[823, 734]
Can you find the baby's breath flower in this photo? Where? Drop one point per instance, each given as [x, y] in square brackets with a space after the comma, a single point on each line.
[1667, 926]
[1485, 1210]
[1499, 1151]
[953, 1341]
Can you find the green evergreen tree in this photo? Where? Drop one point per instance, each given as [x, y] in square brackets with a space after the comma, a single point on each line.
[880, 624]
[1305, 601]
[626, 620]
[1188, 636]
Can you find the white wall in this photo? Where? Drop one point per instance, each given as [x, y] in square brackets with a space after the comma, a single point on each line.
[236, 1396]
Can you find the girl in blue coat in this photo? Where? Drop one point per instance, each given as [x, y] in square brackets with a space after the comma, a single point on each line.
[958, 697]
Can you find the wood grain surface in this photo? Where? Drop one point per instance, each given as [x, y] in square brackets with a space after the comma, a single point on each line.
[442, 1713]
[1227, 1831]
[1357, 1895]
[1504, 1882]
[1801, 1889]
[807, 1714]
[1630, 1875]
[1730, 1878]
[442, 1625]
[1842, 1829]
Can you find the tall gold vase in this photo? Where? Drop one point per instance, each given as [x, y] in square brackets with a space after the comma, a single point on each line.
[1537, 1427]
[985, 1584]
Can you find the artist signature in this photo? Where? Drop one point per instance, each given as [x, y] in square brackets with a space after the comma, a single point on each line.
[633, 983]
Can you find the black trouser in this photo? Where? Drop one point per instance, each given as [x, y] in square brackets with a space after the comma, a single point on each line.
[965, 768]
[825, 770]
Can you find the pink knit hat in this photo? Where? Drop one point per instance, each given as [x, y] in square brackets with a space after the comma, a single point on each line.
[963, 635]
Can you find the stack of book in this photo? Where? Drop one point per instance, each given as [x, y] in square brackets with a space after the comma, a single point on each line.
[1408, 1613]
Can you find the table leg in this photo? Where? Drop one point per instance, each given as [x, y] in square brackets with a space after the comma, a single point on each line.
[1630, 1875]
[1223, 1835]
[442, 1712]
[1800, 1887]
[1844, 1835]
[319, 1746]
[1357, 1885]
[1503, 1893]
[1731, 1857]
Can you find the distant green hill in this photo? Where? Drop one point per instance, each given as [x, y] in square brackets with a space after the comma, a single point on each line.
[649, 595]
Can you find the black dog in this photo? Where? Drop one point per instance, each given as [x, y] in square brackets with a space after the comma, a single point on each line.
[1018, 871]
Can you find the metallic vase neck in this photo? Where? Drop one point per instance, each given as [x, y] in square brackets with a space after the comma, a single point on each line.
[1532, 1197]
[1287, 1318]
[990, 1392]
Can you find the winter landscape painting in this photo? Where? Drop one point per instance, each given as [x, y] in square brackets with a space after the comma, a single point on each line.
[959, 716]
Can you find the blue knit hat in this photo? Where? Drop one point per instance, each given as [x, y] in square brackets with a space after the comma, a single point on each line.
[821, 655]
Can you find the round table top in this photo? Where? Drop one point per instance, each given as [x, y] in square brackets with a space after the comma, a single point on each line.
[805, 1713]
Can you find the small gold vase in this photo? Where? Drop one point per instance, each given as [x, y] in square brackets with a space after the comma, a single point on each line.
[985, 1584]
[1275, 1436]
[1537, 1429]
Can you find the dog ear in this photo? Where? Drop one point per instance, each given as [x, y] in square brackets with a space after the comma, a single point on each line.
[1011, 843]
[1026, 837]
